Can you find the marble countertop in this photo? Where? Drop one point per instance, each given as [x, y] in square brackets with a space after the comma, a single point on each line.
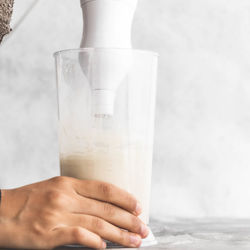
[206, 234]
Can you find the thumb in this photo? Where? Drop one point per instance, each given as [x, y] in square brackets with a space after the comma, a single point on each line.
[64, 235]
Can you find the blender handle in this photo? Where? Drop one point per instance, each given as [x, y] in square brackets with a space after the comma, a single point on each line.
[107, 23]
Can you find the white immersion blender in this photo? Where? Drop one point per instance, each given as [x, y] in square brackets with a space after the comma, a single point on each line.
[107, 24]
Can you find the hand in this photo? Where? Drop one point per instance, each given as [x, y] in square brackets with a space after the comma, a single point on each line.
[64, 210]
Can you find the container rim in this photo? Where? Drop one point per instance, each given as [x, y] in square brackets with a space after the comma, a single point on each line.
[152, 53]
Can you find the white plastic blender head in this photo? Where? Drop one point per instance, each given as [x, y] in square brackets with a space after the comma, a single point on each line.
[107, 24]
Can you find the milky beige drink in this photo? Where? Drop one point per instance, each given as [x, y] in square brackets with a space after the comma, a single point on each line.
[110, 160]
[97, 166]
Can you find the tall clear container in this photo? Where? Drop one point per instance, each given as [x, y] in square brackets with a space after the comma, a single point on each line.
[106, 103]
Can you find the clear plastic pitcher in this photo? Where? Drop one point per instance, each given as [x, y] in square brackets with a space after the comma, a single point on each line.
[106, 103]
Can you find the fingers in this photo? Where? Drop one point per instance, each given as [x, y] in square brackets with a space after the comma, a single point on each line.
[75, 235]
[111, 214]
[105, 230]
[110, 193]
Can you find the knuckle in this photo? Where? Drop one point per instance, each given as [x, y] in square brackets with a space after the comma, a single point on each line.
[48, 216]
[131, 201]
[55, 197]
[37, 229]
[105, 189]
[77, 234]
[135, 224]
[99, 245]
[97, 223]
[123, 237]
[83, 221]
[60, 180]
[108, 209]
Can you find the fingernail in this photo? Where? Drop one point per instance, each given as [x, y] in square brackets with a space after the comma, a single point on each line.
[144, 230]
[138, 209]
[135, 241]
[104, 245]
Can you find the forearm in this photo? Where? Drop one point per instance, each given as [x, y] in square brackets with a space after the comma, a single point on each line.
[11, 207]
[13, 202]
[5, 224]
[5, 232]
[6, 9]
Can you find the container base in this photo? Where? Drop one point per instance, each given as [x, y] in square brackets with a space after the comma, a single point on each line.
[149, 241]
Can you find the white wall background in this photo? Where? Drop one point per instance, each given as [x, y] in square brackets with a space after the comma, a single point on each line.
[202, 137]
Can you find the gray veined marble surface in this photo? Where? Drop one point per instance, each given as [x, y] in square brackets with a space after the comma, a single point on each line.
[206, 234]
